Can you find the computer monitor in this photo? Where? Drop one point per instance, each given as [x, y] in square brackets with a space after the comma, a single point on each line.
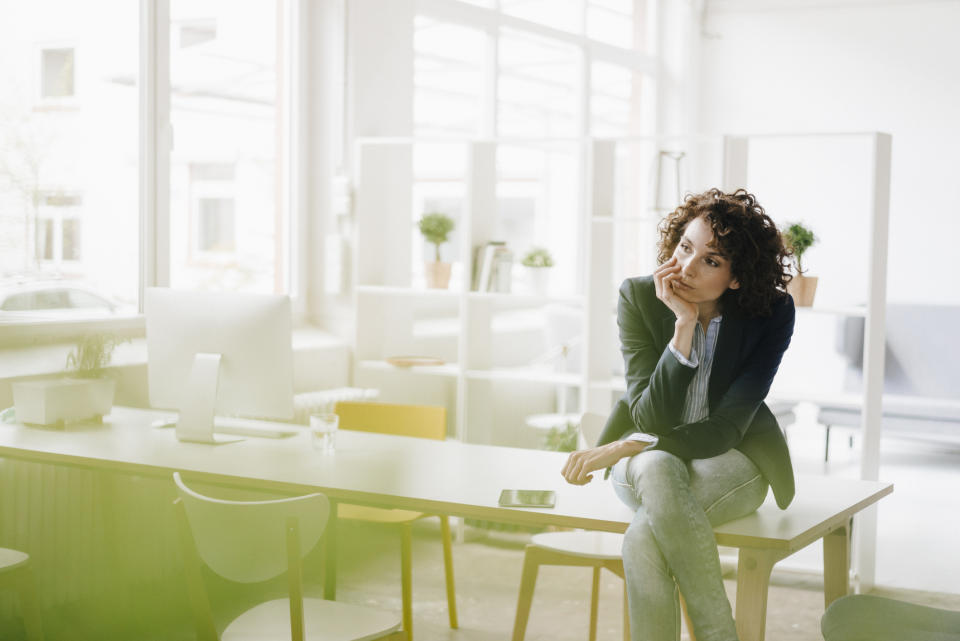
[218, 353]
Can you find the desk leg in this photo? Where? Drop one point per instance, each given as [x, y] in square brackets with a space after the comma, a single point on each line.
[836, 565]
[330, 556]
[753, 579]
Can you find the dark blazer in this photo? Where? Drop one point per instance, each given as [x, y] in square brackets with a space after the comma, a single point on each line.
[746, 358]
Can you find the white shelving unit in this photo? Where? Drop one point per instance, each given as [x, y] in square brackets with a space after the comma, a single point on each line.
[466, 328]
[875, 230]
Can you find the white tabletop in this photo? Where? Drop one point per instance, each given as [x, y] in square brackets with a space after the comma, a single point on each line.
[412, 473]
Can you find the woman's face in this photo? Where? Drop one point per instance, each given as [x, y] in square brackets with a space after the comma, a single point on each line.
[705, 274]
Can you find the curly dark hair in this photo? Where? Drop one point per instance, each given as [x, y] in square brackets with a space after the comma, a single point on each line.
[745, 235]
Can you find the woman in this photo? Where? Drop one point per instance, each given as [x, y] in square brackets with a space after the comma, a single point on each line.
[692, 443]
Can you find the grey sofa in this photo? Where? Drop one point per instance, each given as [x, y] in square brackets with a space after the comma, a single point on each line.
[921, 388]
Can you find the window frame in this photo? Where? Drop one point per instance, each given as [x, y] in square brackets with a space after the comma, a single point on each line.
[492, 21]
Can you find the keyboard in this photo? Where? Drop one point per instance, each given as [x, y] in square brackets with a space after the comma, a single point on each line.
[237, 427]
[247, 427]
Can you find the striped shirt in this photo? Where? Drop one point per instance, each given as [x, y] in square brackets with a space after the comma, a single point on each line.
[695, 406]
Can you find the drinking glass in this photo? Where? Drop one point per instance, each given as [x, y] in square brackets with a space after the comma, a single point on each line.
[323, 431]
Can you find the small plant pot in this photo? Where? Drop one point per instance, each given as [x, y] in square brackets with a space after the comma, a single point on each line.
[63, 400]
[438, 275]
[538, 280]
[802, 288]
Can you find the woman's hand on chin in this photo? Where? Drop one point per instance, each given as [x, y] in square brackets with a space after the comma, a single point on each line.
[664, 279]
[580, 464]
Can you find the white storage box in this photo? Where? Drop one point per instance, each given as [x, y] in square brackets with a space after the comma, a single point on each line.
[63, 400]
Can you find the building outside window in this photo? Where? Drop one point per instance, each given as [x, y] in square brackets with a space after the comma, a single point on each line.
[69, 155]
[229, 219]
[58, 232]
[57, 73]
[215, 228]
[70, 125]
[213, 205]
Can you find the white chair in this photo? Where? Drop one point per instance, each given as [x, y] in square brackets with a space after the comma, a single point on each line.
[15, 568]
[253, 541]
[578, 548]
[591, 549]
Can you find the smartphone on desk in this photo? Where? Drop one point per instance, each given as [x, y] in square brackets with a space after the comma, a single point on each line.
[528, 498]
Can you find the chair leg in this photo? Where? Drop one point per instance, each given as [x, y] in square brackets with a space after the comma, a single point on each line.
[594, 603]
[448, 570]
[528, 581]
[329, 543]
[406, 579]
[626, 614]
[30, 605]
[826, 445]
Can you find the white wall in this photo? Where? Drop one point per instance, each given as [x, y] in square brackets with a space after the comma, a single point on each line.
[853, 65]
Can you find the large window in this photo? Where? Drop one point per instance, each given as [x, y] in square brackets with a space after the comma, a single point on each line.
[77, 121]
[531, 68]
[69, 214]
[538, 86]
[448, 78]
[557, 70]
[229, 214]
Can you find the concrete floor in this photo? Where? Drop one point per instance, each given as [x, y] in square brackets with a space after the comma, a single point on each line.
[917, 524]
[488, 567]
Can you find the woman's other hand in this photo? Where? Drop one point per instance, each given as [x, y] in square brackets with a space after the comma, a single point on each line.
[663, 281]
[580, 464]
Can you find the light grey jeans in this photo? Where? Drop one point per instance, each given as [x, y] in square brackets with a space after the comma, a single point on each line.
[670, 543]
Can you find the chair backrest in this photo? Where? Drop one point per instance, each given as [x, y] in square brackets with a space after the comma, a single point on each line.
[246, 541]
[425, 421]
[591, 425]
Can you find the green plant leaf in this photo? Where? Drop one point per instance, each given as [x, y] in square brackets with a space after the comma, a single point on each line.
[562, 439]
[538, 257]
[91, 355]
[798, 239]
[436, 227]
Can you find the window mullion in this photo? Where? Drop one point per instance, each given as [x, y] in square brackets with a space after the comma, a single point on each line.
[155, 139]
[297, 33]
[489, 124]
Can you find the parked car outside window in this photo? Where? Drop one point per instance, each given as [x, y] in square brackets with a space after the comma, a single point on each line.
[55, 300]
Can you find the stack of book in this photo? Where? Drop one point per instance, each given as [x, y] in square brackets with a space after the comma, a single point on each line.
[492, 267]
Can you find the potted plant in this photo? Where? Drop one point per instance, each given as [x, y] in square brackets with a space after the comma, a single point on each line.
[564, 438]
[436, 227]
[799, 239]
[538, 261]
[85, 393]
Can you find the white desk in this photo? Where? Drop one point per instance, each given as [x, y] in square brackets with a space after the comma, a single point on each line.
[453, 478]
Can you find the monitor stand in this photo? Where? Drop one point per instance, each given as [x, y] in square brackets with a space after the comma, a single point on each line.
[199, 402]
